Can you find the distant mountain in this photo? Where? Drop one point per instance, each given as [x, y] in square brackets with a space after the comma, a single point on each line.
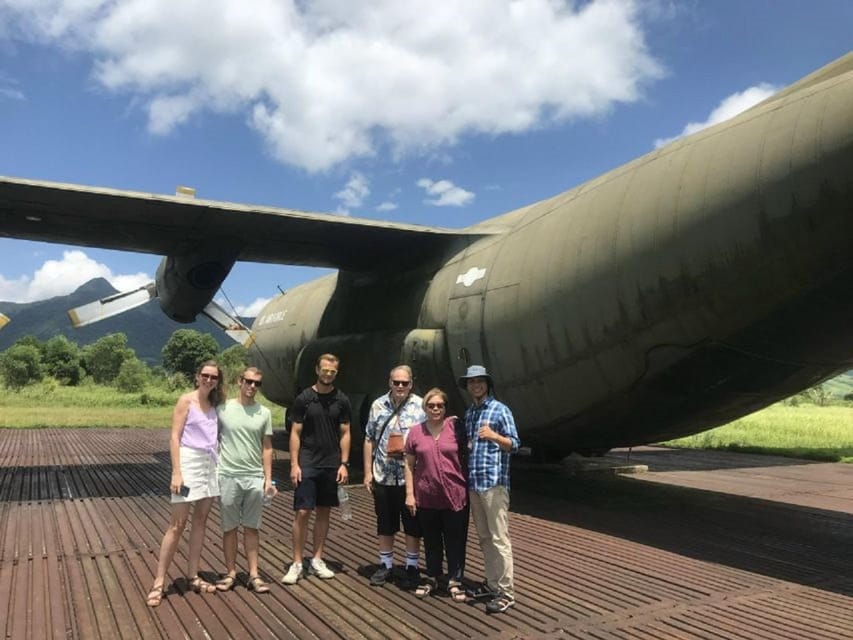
[147, 327]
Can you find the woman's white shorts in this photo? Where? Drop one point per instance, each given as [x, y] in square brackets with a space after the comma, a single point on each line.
[200, 474]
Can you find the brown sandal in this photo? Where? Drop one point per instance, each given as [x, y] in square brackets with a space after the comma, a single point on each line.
[155, 596]
[200, 586]
[257, 585]
[457, 593]
[227, 583]
[423, 590]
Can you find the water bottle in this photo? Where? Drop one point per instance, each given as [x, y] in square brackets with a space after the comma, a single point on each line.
[268, 496]
[343, 501]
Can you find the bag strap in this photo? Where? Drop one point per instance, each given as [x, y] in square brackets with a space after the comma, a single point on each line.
[387, 420]
[462, 443]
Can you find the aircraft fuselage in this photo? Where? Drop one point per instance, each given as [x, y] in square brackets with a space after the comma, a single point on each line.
[694, 285]
[691, 286]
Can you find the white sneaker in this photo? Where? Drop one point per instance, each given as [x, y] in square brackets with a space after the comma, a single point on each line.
[319, 569]
[293, 574]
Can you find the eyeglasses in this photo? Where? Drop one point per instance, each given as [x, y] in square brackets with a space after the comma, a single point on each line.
[435, 405]
[401, 383]
[329, 372]
[208, 376]
[252, 383]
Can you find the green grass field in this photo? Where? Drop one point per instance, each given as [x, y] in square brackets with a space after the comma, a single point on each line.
[804, 431]
[51, 405]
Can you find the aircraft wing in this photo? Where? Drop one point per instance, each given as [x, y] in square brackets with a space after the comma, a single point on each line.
[176, 225]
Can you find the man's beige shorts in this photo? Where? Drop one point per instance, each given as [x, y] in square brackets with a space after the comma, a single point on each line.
[242, 502]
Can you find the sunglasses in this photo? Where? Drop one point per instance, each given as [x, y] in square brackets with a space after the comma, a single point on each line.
[208, 376]
[435, 405]
[401, 383]
[252, 383]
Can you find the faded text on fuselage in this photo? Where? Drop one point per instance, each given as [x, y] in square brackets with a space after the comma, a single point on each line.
[278, 316]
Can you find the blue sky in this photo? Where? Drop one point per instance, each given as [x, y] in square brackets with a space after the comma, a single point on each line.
[432, 113]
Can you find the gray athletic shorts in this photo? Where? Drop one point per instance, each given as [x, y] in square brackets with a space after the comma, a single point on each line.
[242, 502]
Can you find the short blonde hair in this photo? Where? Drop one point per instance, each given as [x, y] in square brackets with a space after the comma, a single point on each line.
[331, 357]
[401, 367]
[435, 391]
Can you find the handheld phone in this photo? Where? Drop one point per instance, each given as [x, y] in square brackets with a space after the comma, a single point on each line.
[184, 490]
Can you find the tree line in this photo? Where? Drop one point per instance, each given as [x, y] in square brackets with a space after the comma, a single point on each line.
[110, 361]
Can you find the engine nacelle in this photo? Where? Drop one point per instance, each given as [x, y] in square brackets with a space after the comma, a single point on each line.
[187, 283]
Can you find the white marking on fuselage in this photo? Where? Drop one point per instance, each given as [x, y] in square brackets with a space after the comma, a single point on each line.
[278, 316]
[471, 276]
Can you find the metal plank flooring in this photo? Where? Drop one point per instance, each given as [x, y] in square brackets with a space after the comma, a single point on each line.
[82, 513]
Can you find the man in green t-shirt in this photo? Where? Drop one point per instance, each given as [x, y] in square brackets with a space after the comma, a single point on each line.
[245, 475]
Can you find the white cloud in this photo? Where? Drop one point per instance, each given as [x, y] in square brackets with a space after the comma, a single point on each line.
[9, 88]
[13, 290]
[728, 108]
[387, 206]
[446, 194]
[326, 81]
[252, 310]
[354, 192]
[9, 93]
[61, 277]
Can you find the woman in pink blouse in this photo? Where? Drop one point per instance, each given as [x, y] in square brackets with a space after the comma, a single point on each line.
[192, 447]
[437, 492]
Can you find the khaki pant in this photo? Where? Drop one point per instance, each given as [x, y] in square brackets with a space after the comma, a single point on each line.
[490, 510]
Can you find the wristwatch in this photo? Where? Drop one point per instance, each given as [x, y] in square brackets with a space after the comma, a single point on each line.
[346, 464]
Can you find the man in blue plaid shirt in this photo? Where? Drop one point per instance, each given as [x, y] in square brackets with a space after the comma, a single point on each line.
[492, 437]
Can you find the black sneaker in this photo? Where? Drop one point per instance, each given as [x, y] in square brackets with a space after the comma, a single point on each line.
[482, 592]
[500, 603]
[380, 576]
[413, 578]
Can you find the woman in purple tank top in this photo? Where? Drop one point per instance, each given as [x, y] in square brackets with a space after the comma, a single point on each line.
[194, 482]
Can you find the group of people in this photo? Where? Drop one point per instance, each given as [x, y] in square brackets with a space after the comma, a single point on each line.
[427, 472]
[218, 448]
[428, 486]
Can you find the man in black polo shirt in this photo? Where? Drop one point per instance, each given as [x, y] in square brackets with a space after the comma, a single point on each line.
[319, 461]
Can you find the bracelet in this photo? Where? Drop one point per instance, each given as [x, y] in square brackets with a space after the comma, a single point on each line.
[345, 464]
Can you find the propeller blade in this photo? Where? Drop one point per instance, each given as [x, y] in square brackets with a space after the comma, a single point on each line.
[111, 305]
[232, 326]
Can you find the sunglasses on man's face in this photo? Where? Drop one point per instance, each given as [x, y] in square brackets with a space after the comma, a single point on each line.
[252, 383]
[401, 383]
[209, 376]
[435, 405]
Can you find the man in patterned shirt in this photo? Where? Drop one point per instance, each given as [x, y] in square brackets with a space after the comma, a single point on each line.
[394, 412]
[492, 437]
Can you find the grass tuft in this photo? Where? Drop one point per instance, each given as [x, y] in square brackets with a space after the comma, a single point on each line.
[805, 431]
